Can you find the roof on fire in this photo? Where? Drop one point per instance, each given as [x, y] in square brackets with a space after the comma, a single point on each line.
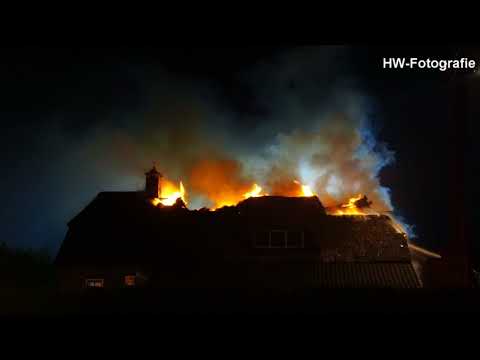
[124, 228]
[281, 205]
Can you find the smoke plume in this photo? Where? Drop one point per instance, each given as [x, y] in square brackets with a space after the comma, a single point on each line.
[306, 119]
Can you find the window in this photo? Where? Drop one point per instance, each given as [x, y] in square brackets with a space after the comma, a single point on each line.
[279, 239]
[94, 283]
[129, 280]
[262, 239]
[295, 239]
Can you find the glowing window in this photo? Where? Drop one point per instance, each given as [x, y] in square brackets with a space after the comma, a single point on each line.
[130, 280]
[94, 283]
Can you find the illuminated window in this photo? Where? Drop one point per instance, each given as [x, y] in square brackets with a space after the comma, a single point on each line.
[94, 283]
[130, 280]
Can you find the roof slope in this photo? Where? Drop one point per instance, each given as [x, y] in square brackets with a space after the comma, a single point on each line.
[394, 275]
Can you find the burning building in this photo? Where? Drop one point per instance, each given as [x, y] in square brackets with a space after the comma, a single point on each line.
[151, 239]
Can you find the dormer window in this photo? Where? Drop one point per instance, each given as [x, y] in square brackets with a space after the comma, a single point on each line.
[279, 239]
[295, 239]
[129, 280]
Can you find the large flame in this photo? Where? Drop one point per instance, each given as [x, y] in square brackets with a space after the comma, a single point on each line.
[220, 181]
[335, 161]
[297, 189]
[170, 193]
[350, 208]
[304, 190]
[256, 191]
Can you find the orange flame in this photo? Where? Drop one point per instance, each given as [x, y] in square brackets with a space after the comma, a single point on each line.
[256, 191]
[170, 193]
[304, 190]
[221, 181]
[350, 208]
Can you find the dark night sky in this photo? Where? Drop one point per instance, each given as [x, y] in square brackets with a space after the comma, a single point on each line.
[53, 99]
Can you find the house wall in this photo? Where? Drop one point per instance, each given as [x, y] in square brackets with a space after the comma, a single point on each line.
[74, 278]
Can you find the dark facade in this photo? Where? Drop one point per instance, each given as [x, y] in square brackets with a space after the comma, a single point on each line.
[121, 240]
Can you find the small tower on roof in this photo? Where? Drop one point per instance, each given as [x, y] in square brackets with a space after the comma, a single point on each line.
[152, 183]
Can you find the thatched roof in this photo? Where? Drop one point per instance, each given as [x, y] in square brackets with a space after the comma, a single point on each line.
[124, 228]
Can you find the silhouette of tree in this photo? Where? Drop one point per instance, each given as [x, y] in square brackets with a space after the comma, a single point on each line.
[25, 267]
